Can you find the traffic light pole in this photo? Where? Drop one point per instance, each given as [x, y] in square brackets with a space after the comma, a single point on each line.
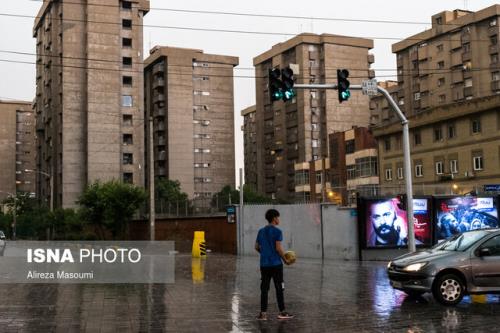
[406, 151]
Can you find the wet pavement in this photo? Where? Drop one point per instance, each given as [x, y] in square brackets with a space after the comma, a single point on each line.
[221, 294]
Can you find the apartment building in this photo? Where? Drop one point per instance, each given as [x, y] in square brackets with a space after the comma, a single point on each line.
[448, 86]
[17, 148]
[190, 96]
[250, 146]
[89, 95]
[296, 131]
[351, 168]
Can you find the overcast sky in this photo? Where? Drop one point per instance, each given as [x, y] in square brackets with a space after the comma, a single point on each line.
[17, 81]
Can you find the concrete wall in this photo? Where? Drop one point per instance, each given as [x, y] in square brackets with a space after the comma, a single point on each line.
[311, 230]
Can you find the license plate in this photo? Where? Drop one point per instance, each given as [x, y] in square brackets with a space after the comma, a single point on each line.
[397, 284]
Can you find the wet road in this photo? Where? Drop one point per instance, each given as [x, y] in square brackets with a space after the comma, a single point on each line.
[221, 294]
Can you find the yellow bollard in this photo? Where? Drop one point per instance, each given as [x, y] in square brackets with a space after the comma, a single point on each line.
[199, 247]
[197, 270]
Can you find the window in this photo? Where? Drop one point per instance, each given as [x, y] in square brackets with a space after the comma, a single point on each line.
[388, 174]
[466, 47]
[442, 98]
[417, 138]
[126, 42]
[440, 64]
[127, 80]
[440, 82]
[387, 144]
[127, 100]
[477, 162]
[495, 76]
[439, 21]
[494, 40]
[493, 22]
[349, 146]
[128, 158]
[126, 24]
[128, 178]
[416, 96]
[127, 61]
[438, 134]
[476, 125]
[127, 139]
[419, 171]
[492, 244]
[494, 58]
[451, 131]
[454, 166]
[351, 171]
[315, 143]
[319, 177]
[202, 93]
[202, 165]
[302, 177]
[400, 173]
[202, 150]
[468, 82]
[201, 136]
[366, 167]
[439, 168]
[440, 48]
[127, 5]
[127, 120]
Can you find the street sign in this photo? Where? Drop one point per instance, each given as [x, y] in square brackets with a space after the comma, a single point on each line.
[369, 87]
[492, 188]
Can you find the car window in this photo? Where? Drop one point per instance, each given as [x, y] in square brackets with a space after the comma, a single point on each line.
[463, 241]
[494, 246]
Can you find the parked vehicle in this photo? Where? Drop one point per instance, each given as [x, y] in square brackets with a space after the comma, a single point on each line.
[466, 263]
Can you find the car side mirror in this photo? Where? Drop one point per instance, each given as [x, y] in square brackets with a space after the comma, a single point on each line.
[484, 252]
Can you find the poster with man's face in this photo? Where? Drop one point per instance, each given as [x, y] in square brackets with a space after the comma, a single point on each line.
[387, 226]
[459, 214]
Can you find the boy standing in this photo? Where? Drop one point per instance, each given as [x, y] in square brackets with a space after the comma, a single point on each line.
[268, 244]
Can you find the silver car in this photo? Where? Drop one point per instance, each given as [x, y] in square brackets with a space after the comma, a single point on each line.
[467, 263]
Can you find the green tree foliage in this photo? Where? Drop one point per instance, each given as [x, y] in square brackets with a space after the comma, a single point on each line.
[169, 190]
[221, 198]
[110, 206]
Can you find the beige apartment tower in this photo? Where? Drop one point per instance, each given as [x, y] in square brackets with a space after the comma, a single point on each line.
[250, 146]
[89, 95]
[190, 96]
[17, 148]
[296, 131]
[449, 87]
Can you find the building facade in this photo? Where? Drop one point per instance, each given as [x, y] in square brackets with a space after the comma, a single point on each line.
[250, 146]
[190, 96]
[296, 131]
[89, 95]
[17, 148]
[448, 86]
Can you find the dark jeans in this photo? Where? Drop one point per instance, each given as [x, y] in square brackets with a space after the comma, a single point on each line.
[268, 273]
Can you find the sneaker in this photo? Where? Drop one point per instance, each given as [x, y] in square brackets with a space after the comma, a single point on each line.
[284, 315]
[262, 316]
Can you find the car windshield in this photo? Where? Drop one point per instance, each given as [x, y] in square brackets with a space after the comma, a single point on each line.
[461, 242]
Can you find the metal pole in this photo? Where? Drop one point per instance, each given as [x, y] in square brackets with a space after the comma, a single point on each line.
[240, 220]
[14, 219]
[406, 151]
[151, 183]
[323, 190]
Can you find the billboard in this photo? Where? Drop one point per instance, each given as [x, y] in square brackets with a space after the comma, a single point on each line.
[385, 223]
[459, 214]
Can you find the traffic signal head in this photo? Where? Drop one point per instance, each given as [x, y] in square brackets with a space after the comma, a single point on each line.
[275, 84]
[402, 201]
[288, 81]
[343, 85]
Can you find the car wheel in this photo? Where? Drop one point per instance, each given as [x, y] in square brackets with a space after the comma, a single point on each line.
[414, 293]
[448, 289]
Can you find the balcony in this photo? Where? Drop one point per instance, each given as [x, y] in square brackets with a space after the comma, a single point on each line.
[158, 83]
[456, 59]
[495, 85]
[468, 91]
[493, 30]
[371, 73]
[493, 49]
[160, 112]
[159, 126]
[161, 141]
[159, 68]
[466, 56]
[371, 58]
[457, 76]
[158, 98]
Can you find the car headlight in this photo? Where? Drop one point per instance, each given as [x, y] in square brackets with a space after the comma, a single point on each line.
[389, 264]
[415, 267]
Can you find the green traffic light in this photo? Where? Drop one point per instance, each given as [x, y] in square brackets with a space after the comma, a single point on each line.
[289, 94]
[346, 94]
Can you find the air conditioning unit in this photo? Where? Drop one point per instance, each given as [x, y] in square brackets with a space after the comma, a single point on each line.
[469, 174]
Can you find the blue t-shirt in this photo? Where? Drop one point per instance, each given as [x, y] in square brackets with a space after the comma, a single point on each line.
[266, 238]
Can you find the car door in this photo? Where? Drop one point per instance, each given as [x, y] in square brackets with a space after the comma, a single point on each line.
[486, 269]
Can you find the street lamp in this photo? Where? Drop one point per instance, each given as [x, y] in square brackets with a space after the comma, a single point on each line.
[51, 179]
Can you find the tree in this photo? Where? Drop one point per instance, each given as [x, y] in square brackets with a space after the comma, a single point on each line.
[110, 206]
[169, 190]
[221, 198]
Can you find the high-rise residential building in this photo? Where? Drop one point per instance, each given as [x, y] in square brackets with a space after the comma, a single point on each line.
[448, 86]
[17, 148]
[250, 146]
[89, 95]
[190, 96]
[296, 131]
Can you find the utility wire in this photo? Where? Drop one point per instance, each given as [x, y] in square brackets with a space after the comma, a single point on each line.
[273, 16]
[248, 32]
